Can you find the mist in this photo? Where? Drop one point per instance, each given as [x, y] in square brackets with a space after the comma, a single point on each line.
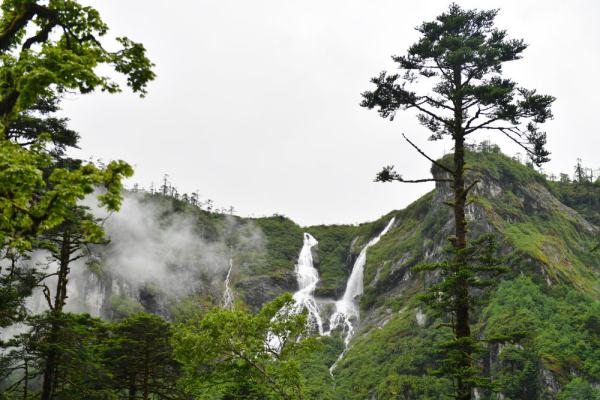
[153, 250]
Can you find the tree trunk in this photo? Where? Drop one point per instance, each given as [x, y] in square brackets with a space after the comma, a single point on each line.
[146, 373]
[52, 357]
[26, 379]
[50, 369]
[132, 388]
[461, 306]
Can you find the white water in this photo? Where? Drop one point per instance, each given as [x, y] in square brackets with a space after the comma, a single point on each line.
[346, 309]
[227, 293]
[308, 277]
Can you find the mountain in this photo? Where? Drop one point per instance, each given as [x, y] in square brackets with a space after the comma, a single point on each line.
[542, 321]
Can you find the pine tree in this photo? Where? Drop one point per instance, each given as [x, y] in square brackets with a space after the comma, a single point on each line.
[461, 53]
[140, 358]
[580, 174]
[67, 243]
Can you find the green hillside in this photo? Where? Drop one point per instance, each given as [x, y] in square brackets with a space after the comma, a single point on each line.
[550, 299]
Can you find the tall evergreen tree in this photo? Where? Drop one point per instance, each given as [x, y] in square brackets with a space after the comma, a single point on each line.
[461, 54]
[580, 175]
[77, 343]
[67, 243]
[140, 358]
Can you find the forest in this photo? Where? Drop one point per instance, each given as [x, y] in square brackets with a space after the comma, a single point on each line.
[486, 287]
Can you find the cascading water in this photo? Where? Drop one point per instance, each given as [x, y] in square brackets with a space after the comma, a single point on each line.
[346, 309]
[308, 278]
[227, 293]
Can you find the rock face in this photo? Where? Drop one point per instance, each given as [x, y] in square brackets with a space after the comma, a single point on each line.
[262, 289]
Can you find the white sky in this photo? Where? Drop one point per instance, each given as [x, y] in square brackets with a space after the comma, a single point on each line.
[256, 102]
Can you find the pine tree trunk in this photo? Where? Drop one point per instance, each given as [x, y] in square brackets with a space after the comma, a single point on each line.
[50, 368]
[52, 357]
[462, 328]
[461, 311]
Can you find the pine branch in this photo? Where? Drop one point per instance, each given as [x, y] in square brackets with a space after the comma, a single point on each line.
[471, 186]
[427, 157]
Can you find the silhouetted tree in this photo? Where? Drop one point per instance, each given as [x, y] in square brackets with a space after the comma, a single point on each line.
[580, 174]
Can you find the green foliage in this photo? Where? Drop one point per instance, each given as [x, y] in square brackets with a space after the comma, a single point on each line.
[517, 374]
[124, 306]
[333, 250]
[583, 196]
[410, 387]
[284, 241]
[461, 54]
[579, 389]
[227, 354]
[485, 162]
[534, 223]
[555, 330]
[389, 259]
[46, 49]
[68, 57]
[94, 359]
[39, 121]
[78, 344]
[140, 358]
[390, 361]
[315, 364]
[474, 268]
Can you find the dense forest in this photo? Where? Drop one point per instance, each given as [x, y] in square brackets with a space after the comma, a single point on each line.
[487, 287]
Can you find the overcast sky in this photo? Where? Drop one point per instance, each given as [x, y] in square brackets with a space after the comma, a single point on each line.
[255, 104]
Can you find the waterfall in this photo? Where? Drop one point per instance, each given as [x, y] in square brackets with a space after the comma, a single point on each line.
[308, 278]
[346, 309]
[227, 293]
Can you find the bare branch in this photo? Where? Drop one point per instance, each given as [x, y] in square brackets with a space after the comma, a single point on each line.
[482, 125]
[423, 180]
[468, 189]
[508, 135]
[387, 174]
[427, 157]
[46, 292]
[448, 77]
[431, 114]
[477, 114]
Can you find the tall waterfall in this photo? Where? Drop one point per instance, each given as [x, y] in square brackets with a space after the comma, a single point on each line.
[308, 277]
[227, 293]
[346, 309]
